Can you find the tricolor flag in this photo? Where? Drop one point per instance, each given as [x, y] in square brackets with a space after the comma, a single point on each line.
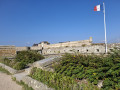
[97, 8]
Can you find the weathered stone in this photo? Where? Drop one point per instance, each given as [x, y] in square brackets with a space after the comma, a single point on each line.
[28, 70]
[36, 85]
[20, 76]
[11, 70]
[100, 84]
[22, 48]
[7, 51]
[45, 64]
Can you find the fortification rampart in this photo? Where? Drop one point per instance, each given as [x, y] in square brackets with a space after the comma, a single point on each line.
[7, 51]
[69, 44]
[96, 49]
[35, 48]
[22, 48]
[83, 46]
[63, 44]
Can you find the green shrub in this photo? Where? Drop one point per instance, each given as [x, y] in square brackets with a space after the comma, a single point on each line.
[19, 65]
[93, 68]
[6, 61]
[28, 56]
[53, 80]
[58, 81]
[22, 59]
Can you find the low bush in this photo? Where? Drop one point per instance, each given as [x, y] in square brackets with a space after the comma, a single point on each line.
[53, 80]
[19, 65]
[58, 81]
[22, 59]
[93, 68]
[28, 56]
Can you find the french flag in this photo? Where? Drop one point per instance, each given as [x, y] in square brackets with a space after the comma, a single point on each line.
[97, 8]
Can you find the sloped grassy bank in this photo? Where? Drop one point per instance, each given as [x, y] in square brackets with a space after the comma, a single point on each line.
[59, 81]
[22, 59]
[93, 68]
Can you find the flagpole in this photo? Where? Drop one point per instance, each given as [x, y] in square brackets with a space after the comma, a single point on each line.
[105, 28]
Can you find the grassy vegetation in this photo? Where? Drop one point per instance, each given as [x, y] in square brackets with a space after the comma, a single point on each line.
[24, 86]
[22, 59]
[1, 57]
[93, 68]
[58, 81]
[72, 68]
[4, 71]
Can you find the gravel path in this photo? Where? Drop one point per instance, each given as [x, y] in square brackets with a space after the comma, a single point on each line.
[6, 83]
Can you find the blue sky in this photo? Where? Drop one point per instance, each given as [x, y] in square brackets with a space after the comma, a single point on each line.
[25, 22]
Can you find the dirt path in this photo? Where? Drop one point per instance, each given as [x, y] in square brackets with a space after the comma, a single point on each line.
[6, 83]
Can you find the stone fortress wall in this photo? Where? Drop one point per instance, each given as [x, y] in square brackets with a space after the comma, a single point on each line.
[83, 46]
[22, 48]
[96, 49]
[7, 51]
[66, 44]
[82, 49]
[36, 48]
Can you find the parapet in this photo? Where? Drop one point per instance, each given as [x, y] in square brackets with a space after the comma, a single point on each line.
[64, 44]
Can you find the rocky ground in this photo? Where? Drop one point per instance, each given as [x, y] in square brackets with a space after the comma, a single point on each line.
[6, 83]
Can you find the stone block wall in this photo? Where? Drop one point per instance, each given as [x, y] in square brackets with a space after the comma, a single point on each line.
[63, 44]
[7, 51]
[35, 48]
[69, 44]
[36, 85]
[97, 49]
[22, 48]
[11, 70]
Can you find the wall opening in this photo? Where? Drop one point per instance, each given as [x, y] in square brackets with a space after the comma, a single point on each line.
[87, 50]
[111, 49]
[97, 50]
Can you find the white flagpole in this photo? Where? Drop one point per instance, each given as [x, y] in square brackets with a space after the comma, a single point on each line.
[105, 28]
